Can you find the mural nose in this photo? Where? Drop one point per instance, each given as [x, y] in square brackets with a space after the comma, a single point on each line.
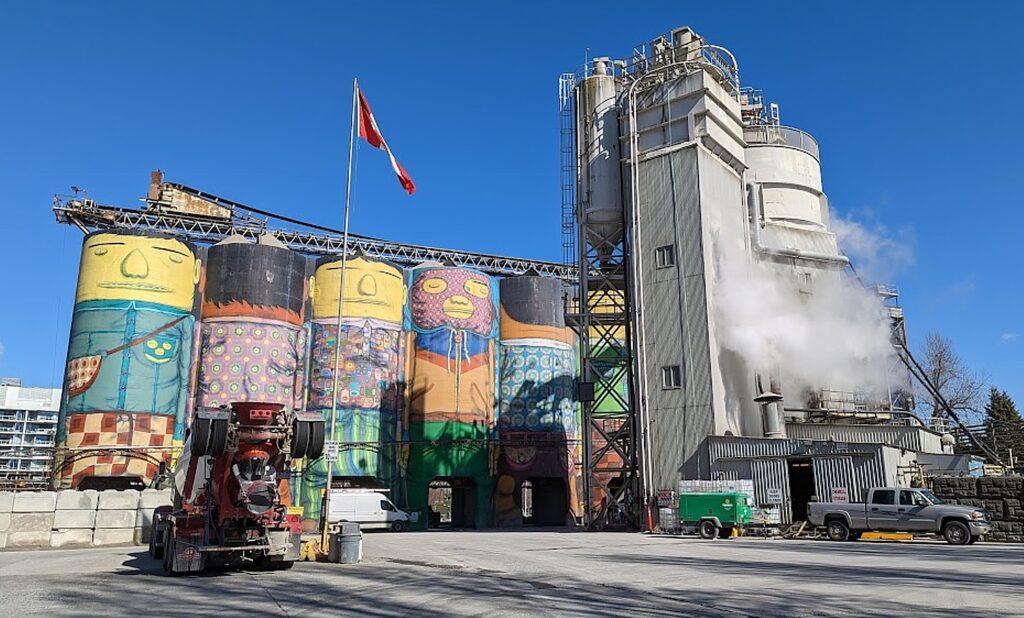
[134, 265]
[368, 286]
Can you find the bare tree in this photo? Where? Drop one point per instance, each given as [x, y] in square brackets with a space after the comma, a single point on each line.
[962, 388]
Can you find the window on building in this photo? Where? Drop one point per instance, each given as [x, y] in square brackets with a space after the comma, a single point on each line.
[671, 377]
[664, 257]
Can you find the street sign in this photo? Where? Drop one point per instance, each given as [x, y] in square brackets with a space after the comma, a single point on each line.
[331, 451]
[840, 494]
[774, 496]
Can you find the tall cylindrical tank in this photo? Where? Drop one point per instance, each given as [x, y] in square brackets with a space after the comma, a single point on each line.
[784, 161]
[538, 420]
[452, 324]
[366, 421]
[253, 339]
[600, 176]
[129, 358]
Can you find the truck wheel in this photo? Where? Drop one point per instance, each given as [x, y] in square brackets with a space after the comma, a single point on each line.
[218, 437]
[707, 529]
[838, 530]
[316, 439]
[956, 533]
[156, 549]
[300, 439]
[398, 526]
[199, 437]
[169, 550]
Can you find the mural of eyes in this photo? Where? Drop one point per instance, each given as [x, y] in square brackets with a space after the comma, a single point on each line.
[452, 297]
[137, 267]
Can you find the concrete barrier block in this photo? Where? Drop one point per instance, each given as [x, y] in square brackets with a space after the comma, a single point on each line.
[152, 498]
[5, 522]
[31, 522]
[110, 500]
[115, 519]
[6, 501]
[75, 500]
[63, 520]
[70, 538]
[141, 536]
[35, 502]
[3, 540]
[144, 518]
[28, 539]
[113, 536]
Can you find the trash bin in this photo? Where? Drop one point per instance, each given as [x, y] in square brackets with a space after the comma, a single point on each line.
[346, 545]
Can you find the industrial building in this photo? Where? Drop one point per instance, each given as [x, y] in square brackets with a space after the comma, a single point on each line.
[746, 340]
[719, 332]
[28, 423]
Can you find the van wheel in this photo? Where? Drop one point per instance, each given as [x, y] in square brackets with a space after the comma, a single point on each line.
[838, 530]
[707, 529]
[398, 526]
[957, 533]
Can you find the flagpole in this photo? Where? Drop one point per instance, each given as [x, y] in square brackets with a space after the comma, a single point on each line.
[341, 300]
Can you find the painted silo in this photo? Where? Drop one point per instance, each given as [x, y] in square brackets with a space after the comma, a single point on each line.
[452, 324]
[538, 419]
[253, 338]
[366, 422]
[130, 356]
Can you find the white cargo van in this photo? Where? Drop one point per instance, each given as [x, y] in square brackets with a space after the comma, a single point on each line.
[369, 509]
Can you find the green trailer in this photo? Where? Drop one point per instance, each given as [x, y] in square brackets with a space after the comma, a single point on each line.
[716, 514]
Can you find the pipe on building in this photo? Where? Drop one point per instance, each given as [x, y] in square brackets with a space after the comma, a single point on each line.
[770, 400]
[755, 205]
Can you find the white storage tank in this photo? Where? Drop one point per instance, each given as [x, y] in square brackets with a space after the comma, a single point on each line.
[601, 171]
[784, 161]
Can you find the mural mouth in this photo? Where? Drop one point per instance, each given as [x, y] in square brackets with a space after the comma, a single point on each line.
[458, 307]
[124, 285]
[367, 301]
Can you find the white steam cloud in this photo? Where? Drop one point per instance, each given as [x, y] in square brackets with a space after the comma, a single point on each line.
[876, 253]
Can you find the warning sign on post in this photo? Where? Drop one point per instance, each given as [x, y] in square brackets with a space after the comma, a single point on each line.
[331, 451]
[840, 494]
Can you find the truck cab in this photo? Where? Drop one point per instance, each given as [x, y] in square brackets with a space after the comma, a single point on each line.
[369, 509]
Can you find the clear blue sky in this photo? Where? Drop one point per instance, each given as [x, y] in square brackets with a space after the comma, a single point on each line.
[916, 107]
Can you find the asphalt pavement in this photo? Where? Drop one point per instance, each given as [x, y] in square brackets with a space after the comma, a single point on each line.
[546, 573]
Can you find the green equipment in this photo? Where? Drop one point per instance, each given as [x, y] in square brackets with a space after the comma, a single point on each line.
[720, 515]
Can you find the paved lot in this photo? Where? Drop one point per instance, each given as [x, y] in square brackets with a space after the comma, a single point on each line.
[541, 573]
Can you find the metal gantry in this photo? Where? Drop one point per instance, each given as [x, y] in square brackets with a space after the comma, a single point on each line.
[91, 216]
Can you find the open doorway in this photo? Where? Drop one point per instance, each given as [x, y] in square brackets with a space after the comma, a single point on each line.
[549, 501]
[451, 503]
[801, 486]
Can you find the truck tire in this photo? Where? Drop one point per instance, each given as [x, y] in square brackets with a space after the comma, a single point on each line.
[956, 533]
[838, 530]
[316, 439]
[300, 439]
[707, 529]
[199, 437]
[218, 437]
[156, 549]
[169, 550]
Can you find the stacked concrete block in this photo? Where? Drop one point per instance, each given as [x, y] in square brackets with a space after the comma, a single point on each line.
[31, 519]
[1001, 496]
[6, 504]
[74, 518]
[115, 517]
[149, 500]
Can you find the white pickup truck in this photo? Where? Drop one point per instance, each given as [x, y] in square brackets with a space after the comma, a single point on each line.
[900, 509]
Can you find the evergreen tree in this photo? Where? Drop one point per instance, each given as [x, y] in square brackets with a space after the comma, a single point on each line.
[1004, 427]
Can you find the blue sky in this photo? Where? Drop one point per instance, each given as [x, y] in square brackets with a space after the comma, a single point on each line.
[914, 106]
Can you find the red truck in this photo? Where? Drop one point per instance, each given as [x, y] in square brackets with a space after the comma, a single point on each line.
[230, 489]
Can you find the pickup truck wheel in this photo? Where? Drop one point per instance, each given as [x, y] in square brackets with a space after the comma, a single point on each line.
[838, 530]
[957, 533]
[707, 529]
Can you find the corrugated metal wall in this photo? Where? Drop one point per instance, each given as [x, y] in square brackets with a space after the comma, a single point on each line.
[833, 472]
[911, 438]
[768, 474]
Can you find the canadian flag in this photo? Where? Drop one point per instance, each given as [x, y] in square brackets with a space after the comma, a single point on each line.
[369, 131]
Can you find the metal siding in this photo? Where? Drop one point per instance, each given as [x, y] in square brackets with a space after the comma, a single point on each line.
[768, 473]
[910, 438]
[832, 472]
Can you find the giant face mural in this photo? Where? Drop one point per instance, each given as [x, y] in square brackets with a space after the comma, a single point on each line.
[253, 341]
[366, 419]
[129, 353]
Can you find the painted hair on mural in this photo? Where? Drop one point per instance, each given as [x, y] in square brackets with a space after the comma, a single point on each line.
[453, 298]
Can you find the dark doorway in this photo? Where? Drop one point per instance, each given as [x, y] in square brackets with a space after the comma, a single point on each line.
[452, 503]
[801, 487]
[549, 501]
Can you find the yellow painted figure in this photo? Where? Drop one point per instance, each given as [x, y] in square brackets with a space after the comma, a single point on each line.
[374, 290]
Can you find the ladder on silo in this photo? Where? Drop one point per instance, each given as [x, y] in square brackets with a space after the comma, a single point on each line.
[567, 156]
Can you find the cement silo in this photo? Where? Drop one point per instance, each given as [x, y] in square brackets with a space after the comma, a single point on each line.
[452, 324]
[600, 176]
[130, 357]
[366, 417]
[538, 421]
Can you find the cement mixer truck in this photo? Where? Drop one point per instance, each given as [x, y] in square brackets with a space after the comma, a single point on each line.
[231, 496]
